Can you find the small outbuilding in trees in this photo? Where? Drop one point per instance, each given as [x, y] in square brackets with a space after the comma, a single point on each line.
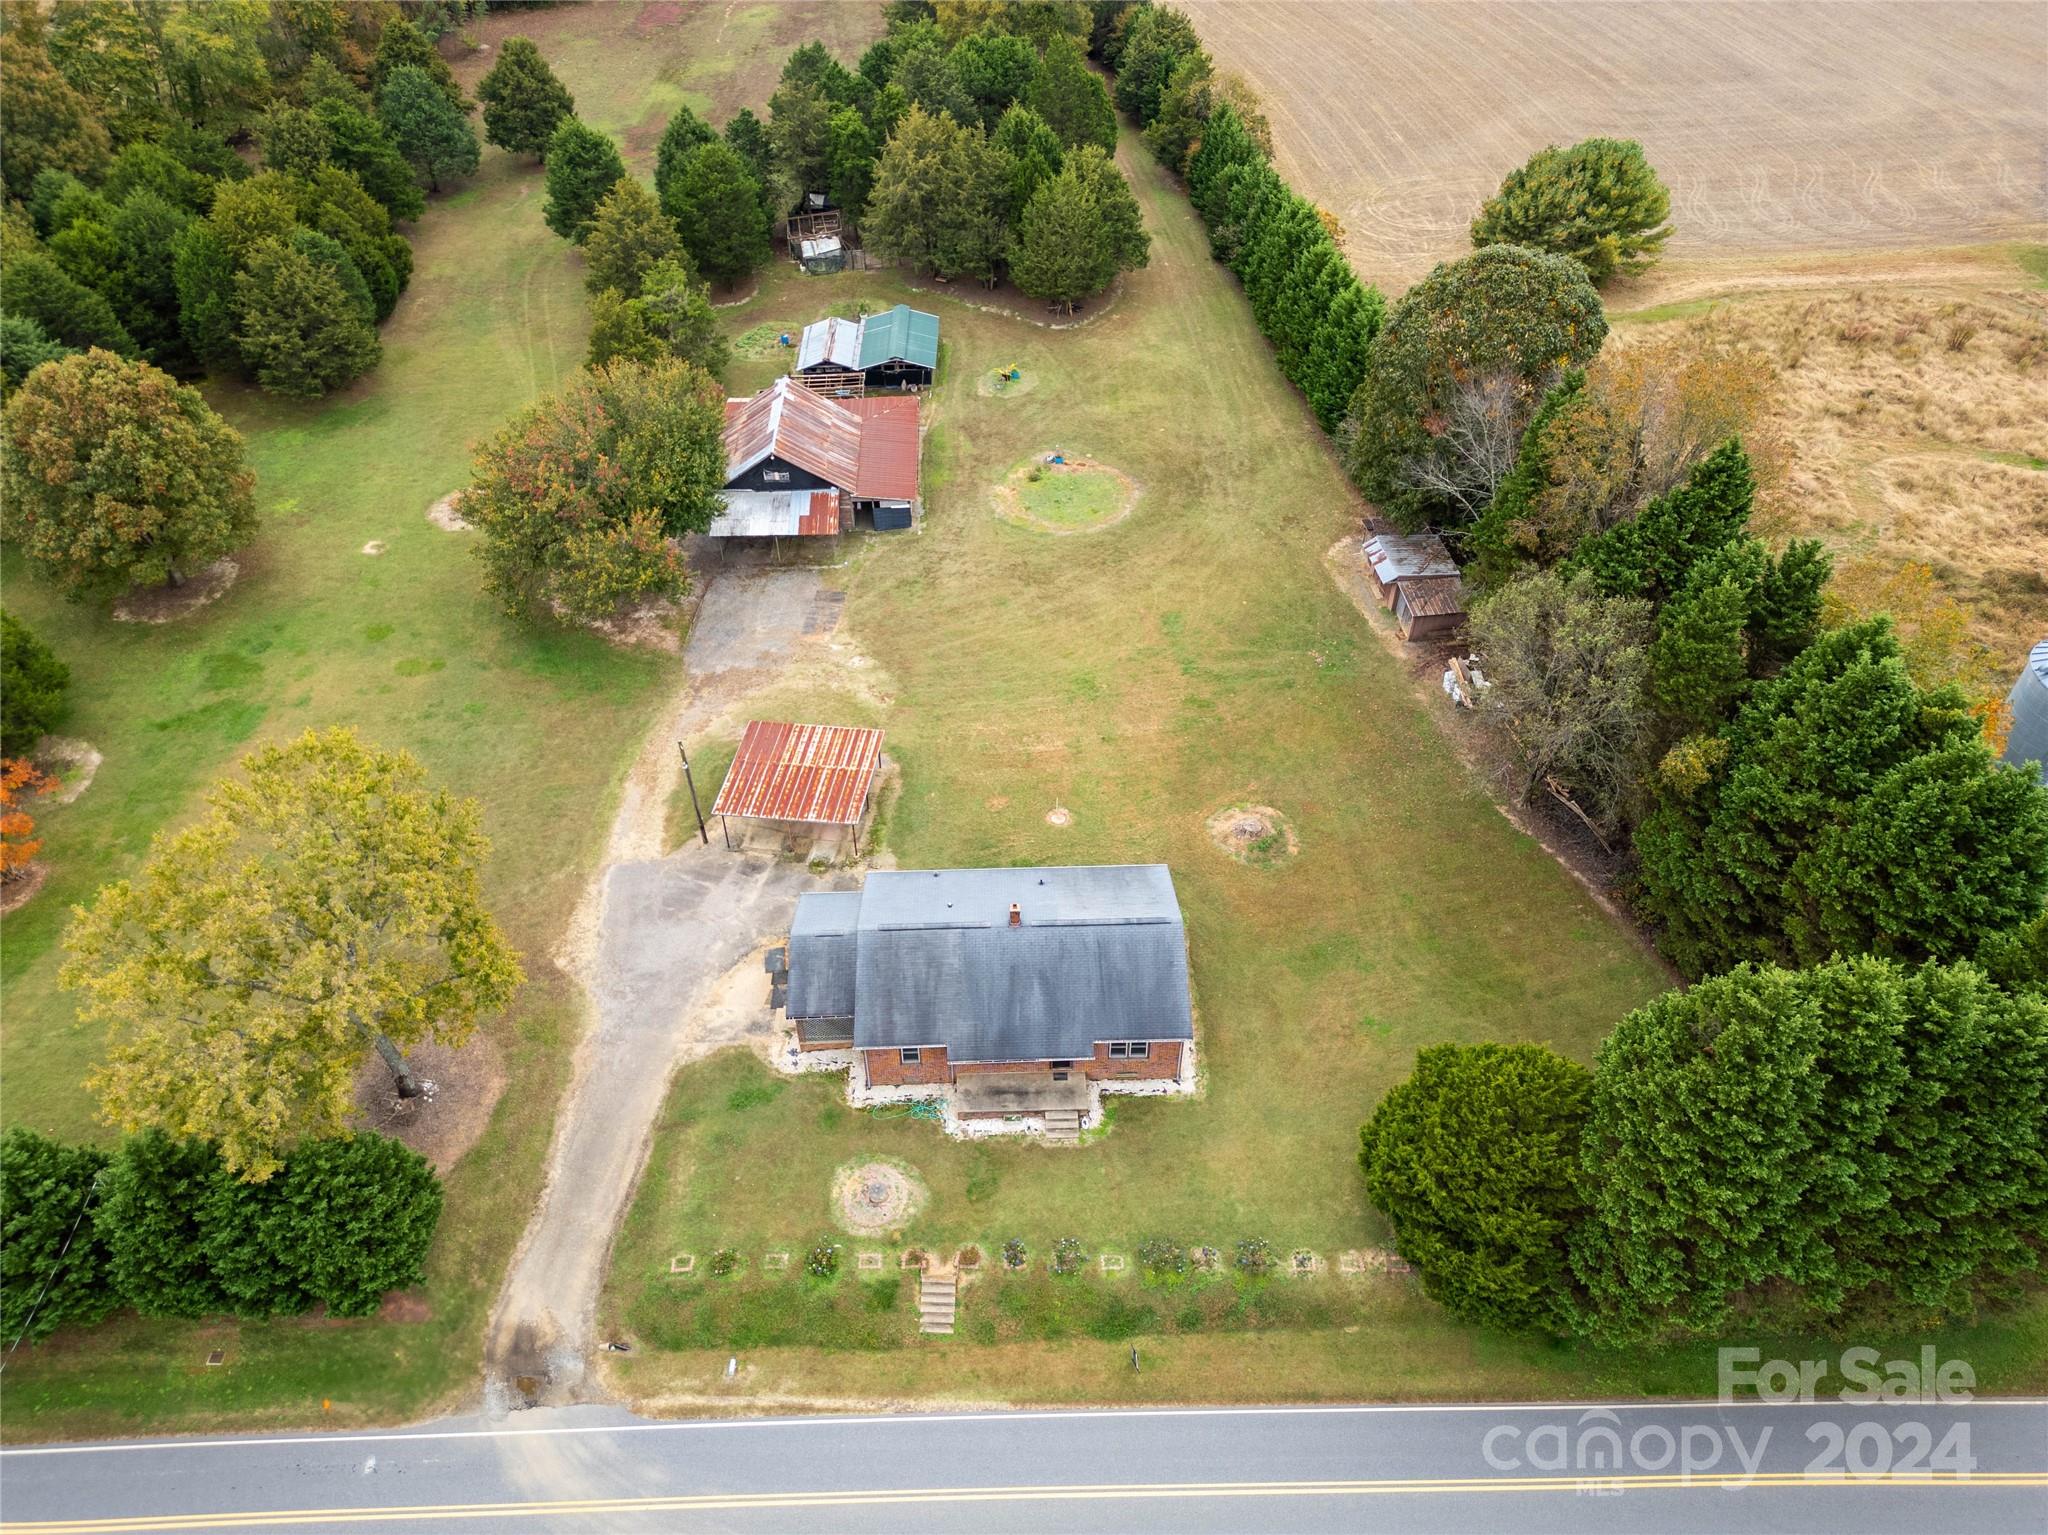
[1414, 575]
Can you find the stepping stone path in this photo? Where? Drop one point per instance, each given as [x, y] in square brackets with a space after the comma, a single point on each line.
[938, 1293]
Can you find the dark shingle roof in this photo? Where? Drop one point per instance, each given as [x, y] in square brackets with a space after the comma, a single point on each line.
[1101, 953]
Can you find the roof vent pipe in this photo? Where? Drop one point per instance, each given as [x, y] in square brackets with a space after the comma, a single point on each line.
[1016, 915]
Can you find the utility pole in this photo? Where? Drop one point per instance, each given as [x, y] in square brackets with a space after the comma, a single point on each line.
[692, 782]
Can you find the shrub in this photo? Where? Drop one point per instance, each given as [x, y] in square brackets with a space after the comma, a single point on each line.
[1162, 1257]
[822, 1261]
[1254, 1256]
[32, 684]
[53, 1267]
[1069, 1256]
[723, 1262]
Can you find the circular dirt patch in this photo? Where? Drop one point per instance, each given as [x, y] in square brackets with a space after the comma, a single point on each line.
[999, 385]
[1059, 815]
[71, 762]
[15, 893]
[446, 514]
[1078, 496]
[163, 604]
[871, 1198]
[1257, 835]
[463, 1086]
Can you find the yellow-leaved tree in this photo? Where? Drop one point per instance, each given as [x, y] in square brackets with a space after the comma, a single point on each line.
[329, 903]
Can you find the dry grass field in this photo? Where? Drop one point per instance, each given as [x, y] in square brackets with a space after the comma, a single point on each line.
[1779, 127]
[1853, 189]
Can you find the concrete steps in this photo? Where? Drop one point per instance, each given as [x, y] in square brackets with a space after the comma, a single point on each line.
[937, 1300]
[1063, 1127]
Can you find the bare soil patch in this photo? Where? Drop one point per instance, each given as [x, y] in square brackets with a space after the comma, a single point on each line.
[71, 762]
[19, 891]
[374, 547]
[166, 604]
[875, 1198]
[1021, 498]
[1257, 835]
[1059, 815]
[446, 514]
[1401, 119]
[465, 1085]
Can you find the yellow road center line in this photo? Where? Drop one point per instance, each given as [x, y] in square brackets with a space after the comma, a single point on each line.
[1106, 1492]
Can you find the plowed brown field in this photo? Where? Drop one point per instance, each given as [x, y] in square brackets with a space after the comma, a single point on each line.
[1779, 126]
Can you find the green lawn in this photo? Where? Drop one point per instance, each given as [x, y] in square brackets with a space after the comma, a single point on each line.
[1192, 656]
[538, 725]
[1070, 500]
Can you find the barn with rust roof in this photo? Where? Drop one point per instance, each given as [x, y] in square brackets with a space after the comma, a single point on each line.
[800, 465]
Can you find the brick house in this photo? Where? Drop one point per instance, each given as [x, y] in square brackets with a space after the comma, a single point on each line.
[1017, 992]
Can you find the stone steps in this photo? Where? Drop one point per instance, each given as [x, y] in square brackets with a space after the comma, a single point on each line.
[937, 1300]
[1063, 1127]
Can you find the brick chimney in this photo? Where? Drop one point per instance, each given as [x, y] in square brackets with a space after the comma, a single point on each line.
[1016, 915]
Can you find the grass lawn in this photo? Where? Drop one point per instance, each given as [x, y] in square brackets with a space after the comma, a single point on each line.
[538, 725]
[1070, 500]
[1193, 656]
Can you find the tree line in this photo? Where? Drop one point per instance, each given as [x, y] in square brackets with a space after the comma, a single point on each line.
[163, 1226]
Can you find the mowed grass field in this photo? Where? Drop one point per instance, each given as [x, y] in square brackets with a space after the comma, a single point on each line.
[1191, 656]
[538, 724]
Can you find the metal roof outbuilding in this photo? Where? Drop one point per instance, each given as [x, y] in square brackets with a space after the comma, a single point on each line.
[2028, 740]
[815, 773]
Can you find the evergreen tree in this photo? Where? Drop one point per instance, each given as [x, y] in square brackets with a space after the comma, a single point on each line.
[1057, 256]
[1506, 536]
[523, 101]
[295, 140]
[1156, 40]
[35, 287]
[1503, 310]
[298, 328]
[850, 156]
[327, 254]
[1598, 203]
[925, 74]
[145, 167]
[1035, 155]
[685, 134]
[974, 235]
[363, 146]
[994, 69]
[747, 136]
[618, 332]
[153, 1218]
[583, 166]
[799, 135]
[717, 208]
[203, 268]
[1474, 1162]
[675, 309]
[628, 235]
[32, 686]
[1850, 812]
[401, 45]
[53, 1265]
[23, 349]
[434, 137]
[1653, 554]
[1067, 94]
[1183, 108]
[146, 231]
[335, 204]
[351, 1219]
[1225, 142]
[1697, 665]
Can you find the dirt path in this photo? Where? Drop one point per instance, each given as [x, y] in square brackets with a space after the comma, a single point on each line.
[652, 939]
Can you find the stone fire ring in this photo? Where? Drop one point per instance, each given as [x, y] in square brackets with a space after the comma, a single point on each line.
[871, 1198]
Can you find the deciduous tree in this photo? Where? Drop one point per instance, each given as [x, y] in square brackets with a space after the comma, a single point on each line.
[583, 166]
[20, 781]
[44, 123]
[117, 475]
[34, 287]
[1505, 309]
[1597, 202]
[328, 903]
[523, 101]
[579, 496]
[1474, 1162]
[401, 45]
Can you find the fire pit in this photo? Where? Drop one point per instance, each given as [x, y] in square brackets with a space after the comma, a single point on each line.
[872, 1198]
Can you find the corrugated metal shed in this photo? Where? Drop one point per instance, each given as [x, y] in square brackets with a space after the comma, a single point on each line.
[778, 514]
[815, 773]
[1431, 596]
[1097, 953]
[790, 422]
[1393, 556]
[888, 447]
[2028, 700]
[901, 334]
[831, 341]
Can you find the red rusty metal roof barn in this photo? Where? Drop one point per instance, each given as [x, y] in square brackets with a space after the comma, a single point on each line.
[784, 772]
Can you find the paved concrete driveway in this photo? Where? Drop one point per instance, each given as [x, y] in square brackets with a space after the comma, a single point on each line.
[661, 933]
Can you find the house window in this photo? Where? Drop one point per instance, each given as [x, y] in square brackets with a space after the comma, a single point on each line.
[1130, 1050]
[774, 476]
[910, 1056]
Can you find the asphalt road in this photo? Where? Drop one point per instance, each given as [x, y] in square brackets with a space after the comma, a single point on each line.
[1666, 1467]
